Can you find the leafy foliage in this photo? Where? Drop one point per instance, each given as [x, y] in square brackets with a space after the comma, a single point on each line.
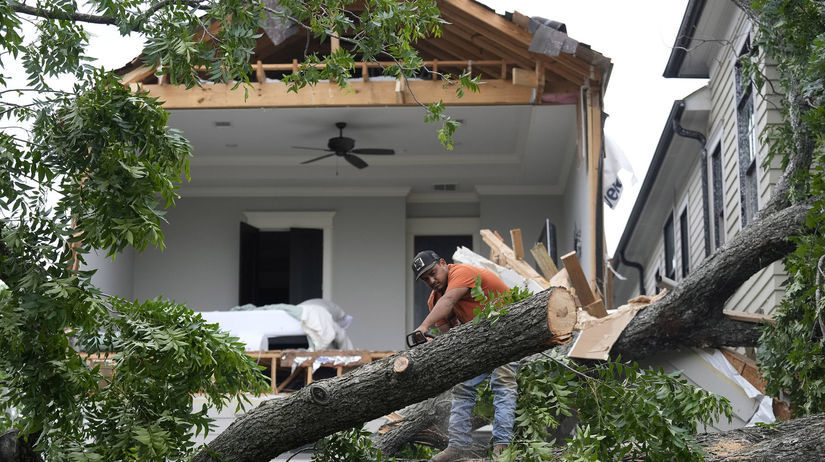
[621, 409]
[385, 30]
[495, 305]
[353, 445]
[792, 33]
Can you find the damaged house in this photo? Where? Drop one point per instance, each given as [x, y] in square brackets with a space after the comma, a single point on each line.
[273, 216]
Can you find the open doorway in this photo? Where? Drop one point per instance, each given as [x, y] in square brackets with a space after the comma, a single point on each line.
[280, 266]
[441, 235]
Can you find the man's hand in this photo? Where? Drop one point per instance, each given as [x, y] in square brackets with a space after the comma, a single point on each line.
[418, 337]
[443, 307]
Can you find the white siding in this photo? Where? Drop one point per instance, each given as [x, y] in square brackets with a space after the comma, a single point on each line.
[696, 218]
[762, 291]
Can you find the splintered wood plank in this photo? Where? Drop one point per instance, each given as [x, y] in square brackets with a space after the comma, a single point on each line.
[518, 245]
[596, 309]
[508, 258]
[561, 279]
[748, 317]
[577, 277]
[542, 257]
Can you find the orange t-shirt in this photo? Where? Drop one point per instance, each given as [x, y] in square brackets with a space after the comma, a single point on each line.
[461, 275]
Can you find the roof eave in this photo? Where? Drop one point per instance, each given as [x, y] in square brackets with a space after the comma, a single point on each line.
[683, 38]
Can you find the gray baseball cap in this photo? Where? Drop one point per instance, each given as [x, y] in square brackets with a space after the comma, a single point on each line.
[423, 261]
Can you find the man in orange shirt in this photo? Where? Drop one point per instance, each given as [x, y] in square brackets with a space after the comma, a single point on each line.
[451, 303]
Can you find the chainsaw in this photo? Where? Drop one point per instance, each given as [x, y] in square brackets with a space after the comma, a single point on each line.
[417, 337]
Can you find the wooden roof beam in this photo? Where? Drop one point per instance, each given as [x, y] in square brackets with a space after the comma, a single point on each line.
[449, 48]
[501, 26]
[520, 54]
[516, 42]
[326, 94]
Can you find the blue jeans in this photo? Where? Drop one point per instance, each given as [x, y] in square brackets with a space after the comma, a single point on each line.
[505, 392]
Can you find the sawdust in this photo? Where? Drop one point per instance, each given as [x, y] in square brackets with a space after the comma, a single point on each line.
[728, 449]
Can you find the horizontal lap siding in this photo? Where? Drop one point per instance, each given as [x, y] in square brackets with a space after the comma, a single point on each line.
[763, 290]
[696, 218]
[757, 294]
[656, 262]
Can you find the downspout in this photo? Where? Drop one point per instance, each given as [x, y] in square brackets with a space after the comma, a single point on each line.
[644, 193]
[684, 132]
[639, 268]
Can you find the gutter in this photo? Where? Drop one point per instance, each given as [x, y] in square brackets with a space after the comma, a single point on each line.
[644, 193]
[683, 38]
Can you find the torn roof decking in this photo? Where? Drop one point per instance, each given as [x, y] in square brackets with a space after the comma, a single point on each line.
[473, 32]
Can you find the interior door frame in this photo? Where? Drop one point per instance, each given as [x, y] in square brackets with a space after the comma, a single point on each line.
[434, 227]
[283, 221]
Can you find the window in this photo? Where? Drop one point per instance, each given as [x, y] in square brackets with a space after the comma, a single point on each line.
[683, 238]
[718, 202]
[746, 136]
[670, 254]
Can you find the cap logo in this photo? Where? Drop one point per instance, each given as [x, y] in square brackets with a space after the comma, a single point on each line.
[418, 263]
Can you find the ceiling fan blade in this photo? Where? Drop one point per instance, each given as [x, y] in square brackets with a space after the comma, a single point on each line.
[311, 149]
[317, 158]
[373, 151]
[356, 161]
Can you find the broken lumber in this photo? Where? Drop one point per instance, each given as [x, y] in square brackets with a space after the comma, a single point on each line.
[590, 302]
[561, 279]
[509, 276]
[518, 245]
[546, 265]
[748, 317]
[509, 257]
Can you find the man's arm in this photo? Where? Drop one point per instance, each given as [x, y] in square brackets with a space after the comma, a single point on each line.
[443, 307]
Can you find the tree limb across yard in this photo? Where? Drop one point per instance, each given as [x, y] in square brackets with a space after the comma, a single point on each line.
[689, 316]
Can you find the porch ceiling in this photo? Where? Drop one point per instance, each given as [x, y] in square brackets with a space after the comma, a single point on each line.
[499, 149]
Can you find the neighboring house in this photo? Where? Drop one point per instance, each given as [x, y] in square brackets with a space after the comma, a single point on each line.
[258, 225]
[705, 183]
[706, 179]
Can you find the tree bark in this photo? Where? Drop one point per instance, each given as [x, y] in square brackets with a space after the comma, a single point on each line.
[375, 390]
[689, 316]
[13, 448]
[800, 440]
[424, 422]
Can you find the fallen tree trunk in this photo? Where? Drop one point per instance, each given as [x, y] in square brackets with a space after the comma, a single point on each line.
[689, 316]
[423, 423]
[378, 388]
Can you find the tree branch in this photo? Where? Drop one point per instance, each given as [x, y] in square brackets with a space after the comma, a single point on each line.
[51, 14]
[98, 19]
[691, 315]
[744, 5]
